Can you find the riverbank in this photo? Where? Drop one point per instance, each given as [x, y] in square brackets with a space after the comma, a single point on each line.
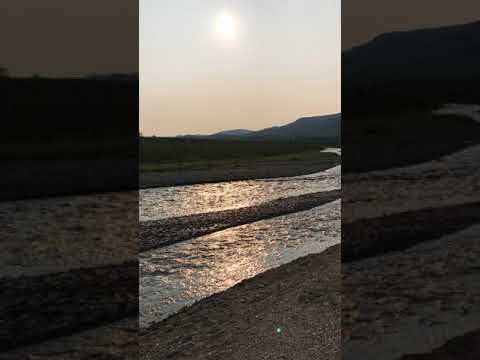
[163, 232]
[292, 311]
[68, 264]
[23, 179]
[38, 308]
[242, 170]
[373, 237]
[465, 347]
[117, 340]
[412, 301]
[410, 259]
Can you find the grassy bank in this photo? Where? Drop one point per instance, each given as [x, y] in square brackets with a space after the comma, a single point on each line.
[171, 154]
[231, 163]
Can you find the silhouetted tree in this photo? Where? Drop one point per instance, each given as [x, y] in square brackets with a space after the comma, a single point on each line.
[3, 72]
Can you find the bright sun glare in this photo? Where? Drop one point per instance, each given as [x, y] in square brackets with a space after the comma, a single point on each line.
[226, 26]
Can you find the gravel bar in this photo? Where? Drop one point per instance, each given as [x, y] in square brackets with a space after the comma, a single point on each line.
[157, 233]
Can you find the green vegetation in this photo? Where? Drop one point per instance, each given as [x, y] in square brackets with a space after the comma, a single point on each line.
[169, 154]
[327, 292]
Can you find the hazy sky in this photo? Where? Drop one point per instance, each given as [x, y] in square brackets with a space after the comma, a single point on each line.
[363, 20]
[68, 37]
[212, 65]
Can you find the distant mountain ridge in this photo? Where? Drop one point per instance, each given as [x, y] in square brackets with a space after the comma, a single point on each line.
[313, 127]
[234, 132]
[326, 126]
[427, 50]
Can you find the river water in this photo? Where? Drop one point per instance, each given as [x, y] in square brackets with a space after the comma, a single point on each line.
[177, 275]
[166, 202]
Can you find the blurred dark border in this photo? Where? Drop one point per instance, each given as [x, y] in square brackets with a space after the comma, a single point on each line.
[410, 153]
[69, 86]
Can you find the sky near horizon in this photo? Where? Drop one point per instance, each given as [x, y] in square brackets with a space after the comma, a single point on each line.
[212, 65]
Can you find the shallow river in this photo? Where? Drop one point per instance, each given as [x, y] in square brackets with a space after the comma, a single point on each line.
[166, 202]
[177, 275]
[174, 276]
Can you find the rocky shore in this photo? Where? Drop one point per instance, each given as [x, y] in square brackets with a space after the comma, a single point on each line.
[171, 230]
[290, 312]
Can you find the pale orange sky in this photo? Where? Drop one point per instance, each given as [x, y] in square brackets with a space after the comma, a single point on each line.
[283, 63]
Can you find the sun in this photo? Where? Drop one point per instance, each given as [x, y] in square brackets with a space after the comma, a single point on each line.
[226, 26]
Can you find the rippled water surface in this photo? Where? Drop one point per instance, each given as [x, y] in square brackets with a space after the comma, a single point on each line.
[177, 275]
[160, 203]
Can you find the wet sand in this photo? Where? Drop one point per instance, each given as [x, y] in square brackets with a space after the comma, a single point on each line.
[171, 230]
[291, 312]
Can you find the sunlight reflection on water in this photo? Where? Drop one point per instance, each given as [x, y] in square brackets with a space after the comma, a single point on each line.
[160, 203]
[177, 275]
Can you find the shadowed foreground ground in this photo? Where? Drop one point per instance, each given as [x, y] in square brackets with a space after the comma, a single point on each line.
[291, 312]
[465, 347]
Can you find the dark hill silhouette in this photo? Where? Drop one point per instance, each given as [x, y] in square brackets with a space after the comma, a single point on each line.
[427, 66]
[327, 126]
[229, 133]
[390, 87]
[314, 127]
